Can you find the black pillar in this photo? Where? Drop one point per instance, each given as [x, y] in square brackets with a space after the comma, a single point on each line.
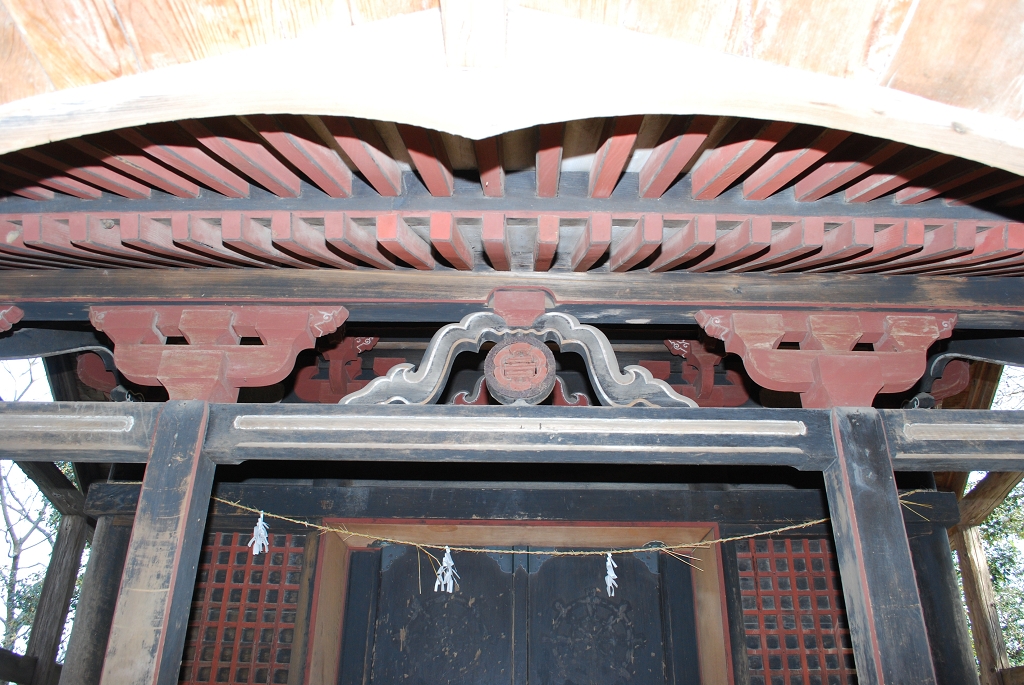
[890, 642]
[148, 632]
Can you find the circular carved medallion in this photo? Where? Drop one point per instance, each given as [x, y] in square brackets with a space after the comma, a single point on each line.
[520, 368]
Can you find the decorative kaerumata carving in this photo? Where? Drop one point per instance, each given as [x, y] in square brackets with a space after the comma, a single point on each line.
[405, 384]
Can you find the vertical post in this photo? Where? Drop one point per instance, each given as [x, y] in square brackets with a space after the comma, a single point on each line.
[943, 611]
[890, 642]
[88, 643]
[58, 586]
[520, 616]
[980, 596]
[148, 632]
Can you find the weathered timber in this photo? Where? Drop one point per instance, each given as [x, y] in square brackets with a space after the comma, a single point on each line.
[981, 605]
[757, 508]
[87, 644]
[944, 618]
[1012, 676]
[55, 597]
[302, 645]
[55, 486]
[151, 616]
[360, 617]
[16, 668]
[890, 642]
[445, 296]
[920, 440]
[978, 504]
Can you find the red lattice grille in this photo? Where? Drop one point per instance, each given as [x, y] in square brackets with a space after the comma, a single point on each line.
[243, 612]
[796, 632]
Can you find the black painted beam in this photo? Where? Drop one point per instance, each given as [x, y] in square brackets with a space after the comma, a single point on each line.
[148, 631]
[883, 607]
[446, 296]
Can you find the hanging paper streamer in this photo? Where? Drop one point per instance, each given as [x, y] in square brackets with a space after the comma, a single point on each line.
[446, 574]
[260, 542]
[609, 580]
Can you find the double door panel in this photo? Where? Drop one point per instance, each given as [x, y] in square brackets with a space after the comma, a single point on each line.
[518, 618]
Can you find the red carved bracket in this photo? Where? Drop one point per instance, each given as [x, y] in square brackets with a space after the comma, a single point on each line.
[213, 365]
[699, 372]
[955, 379]
[9, 316]
[343, 367]
[826, 369]
[519, 306]
[93, 372]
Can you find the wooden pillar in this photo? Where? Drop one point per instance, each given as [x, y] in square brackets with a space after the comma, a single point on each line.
[890, 642]
[58, 586]
[948, 634]
[981, 604]
[148, 632]
[88, 642]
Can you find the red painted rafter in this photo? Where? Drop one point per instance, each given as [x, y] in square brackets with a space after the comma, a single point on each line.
[637, 244]
[69, 161]
[948, 239]
[991, 244]
[681, 142]
[496, 245]
[691, 241]
[750, 237]
[849, 239]
[297, 142]
[831, 176]
[361, 141]
[899, 239]
[167, 143]
[294, 235]
[448, 240]
[120, 154]
[14, 246]
[396, 237]
[592, 243]
[37, 173]
[103, 237]
[613, 155]
[546, 243]
[347, 237]
[44, 233]
[785, 165]
[152, 237]
[430, 159]
[241, 233]
[489, 160]
[954, 175]
[31, 192]
[801, 237]
[742, 148]
[978, 192]
[549, 159]
[198, 235]
[237, 145]
[878, 184]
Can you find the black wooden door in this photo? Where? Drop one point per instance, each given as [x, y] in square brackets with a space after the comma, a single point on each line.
[518, 619]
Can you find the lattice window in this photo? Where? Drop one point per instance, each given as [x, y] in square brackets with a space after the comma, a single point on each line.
[796, 632]
[242, 624]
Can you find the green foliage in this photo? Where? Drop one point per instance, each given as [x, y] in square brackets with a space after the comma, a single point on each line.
[1003, 538]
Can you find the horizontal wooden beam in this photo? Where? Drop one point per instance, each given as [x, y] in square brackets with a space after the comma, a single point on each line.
[602, 297]
[55, 486]
[919, 440]
[16, 668]
[516, 501]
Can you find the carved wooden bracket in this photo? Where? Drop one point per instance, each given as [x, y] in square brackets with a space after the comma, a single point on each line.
[826, 369]
[213, 365]
[614, 387]
[343, 367]
[560, 398]
[9, 316]
[699, 372]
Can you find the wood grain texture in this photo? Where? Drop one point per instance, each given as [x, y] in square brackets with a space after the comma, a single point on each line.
[248, 82]
[964, 54]
[21, 74]
[76, 42]
[988, 494]
[167, 32]
[328, 604]
[981, 605]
